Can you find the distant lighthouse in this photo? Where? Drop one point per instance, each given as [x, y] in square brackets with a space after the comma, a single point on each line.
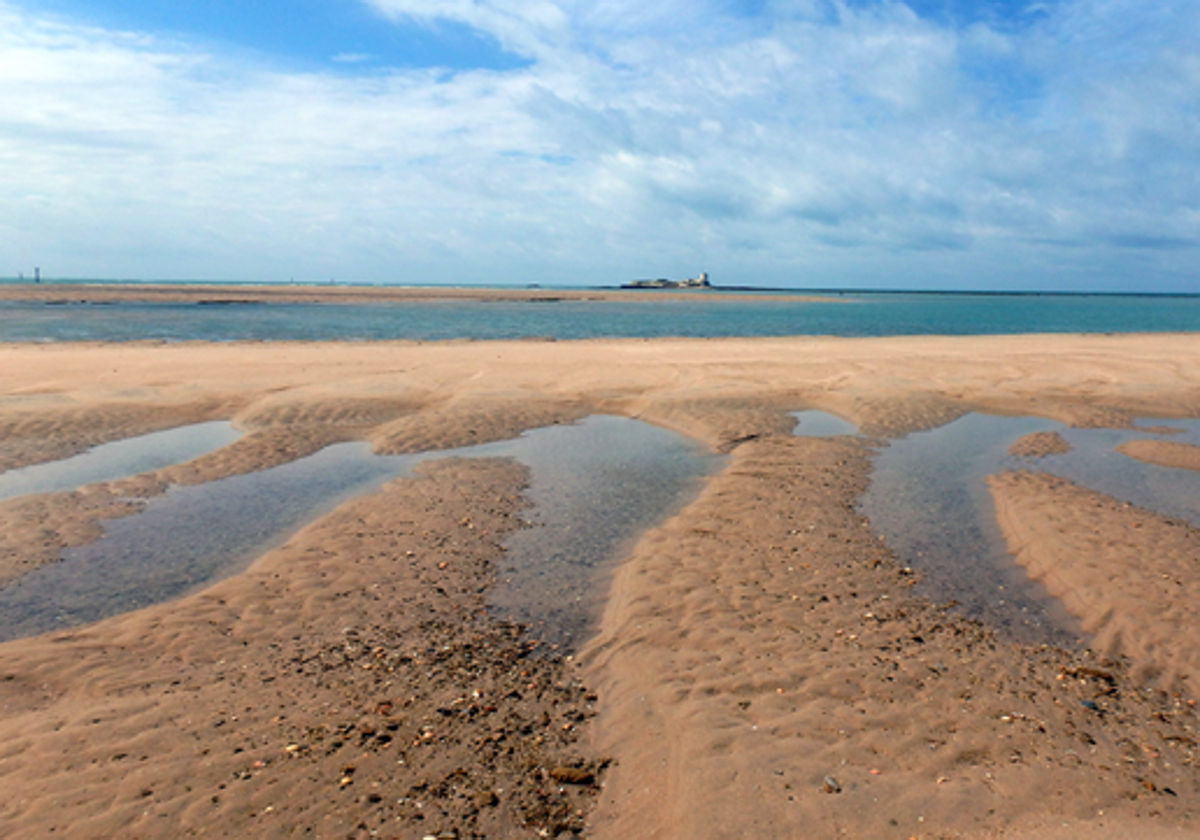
[37, 275]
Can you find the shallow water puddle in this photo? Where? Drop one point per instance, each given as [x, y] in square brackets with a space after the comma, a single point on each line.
[1095, 463]
[593, 495]
[595, 485]
[185, 538]
[119, 459]
[821, 424]
[929, 499]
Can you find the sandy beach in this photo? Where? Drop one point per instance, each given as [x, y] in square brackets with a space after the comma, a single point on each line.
[764, 665]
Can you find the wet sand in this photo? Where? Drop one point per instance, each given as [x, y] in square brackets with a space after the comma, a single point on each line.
[762, 667]
[1164, 453]
[1127, 573]
[1040, 445]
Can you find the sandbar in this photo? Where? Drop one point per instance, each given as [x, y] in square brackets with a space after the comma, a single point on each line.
[224, 294]
[762, 667]
[1040, 445]
[1165, 453]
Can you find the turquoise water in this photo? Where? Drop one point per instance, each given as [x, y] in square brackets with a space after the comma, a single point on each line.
[713, 315]
[595, 485]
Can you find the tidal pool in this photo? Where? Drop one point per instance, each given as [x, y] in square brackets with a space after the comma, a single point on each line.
[119, 459]
[928, 497]
[595, 486]
[1095, 462]
[821, 424]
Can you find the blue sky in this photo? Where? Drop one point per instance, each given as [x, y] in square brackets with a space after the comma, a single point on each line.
[995, 144]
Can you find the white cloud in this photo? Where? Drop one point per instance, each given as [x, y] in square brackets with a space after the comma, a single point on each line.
[819, 144]
[528, 27]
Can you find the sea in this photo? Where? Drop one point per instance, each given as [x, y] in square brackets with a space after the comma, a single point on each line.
[711, 314]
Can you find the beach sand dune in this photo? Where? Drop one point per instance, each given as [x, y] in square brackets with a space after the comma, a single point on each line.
[762, 667]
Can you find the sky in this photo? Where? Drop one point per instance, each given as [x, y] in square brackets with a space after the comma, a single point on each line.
[1049, 145]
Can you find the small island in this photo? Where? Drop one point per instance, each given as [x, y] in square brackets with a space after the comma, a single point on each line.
[700, 282]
